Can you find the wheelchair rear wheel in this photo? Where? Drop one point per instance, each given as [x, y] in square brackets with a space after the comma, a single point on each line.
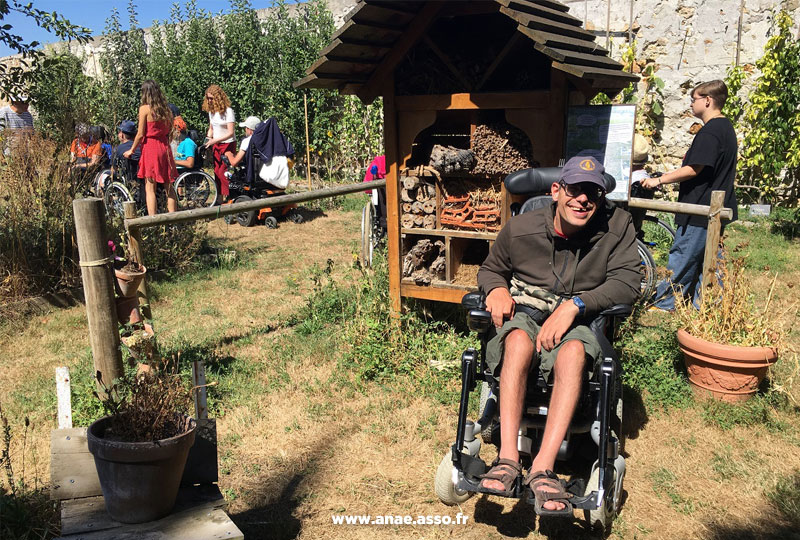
[367, 234]
[196, 189]
[115, 194]
[491, 433]
[648, 270]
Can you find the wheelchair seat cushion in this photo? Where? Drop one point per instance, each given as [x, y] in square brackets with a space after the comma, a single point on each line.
[522, 321]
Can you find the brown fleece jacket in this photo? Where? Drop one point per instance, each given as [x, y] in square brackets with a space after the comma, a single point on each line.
[600, 264]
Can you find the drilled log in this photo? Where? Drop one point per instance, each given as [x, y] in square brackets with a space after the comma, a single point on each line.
[405, 196]
[449, 159]
[407, 221]
[417, 207]
[429, 222]
[418, 219]
[410, 182]
[406, 207]
[429, 207]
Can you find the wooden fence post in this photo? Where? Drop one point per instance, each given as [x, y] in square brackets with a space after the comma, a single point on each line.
[712, 241]
[98, 288]
[135, 246]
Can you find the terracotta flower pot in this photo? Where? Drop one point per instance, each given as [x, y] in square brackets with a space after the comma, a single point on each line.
[724, 372]
[128, 281]
[128, 310]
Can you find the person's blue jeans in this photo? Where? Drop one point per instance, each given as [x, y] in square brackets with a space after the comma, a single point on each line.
[686, 267]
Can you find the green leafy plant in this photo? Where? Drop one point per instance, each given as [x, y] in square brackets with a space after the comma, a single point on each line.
[734, 80]
[770, 154]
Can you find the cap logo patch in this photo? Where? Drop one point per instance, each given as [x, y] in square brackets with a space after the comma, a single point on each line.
[587, 165]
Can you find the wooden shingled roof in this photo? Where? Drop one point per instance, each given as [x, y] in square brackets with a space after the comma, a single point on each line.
[377, 34]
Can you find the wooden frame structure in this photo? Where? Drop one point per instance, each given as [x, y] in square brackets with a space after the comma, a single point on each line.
[450, 66]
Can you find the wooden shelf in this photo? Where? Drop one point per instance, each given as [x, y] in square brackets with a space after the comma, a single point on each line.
[451, 233]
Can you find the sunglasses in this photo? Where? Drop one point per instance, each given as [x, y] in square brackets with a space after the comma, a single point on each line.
[593, 192]
[693, 99]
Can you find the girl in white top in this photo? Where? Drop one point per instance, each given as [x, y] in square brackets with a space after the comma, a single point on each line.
[220, 134]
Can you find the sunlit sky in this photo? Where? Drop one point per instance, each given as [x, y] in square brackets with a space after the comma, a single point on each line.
[93, 14]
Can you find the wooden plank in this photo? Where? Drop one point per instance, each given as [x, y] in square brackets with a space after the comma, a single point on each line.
[595, 73]
[439, 293]
[548, 25]
[676, 207]
[560, 41]
[196, 517]
[538, 8]
[493, 100]
[411, 7]
[710, 278]
[64, 398]
[73, 476]
[354, 32]
[393, 157]
[578, 58]
[380, 15]
[313, 81]
[452, 233]
[326, 64]
[337, 47]
[414, 32]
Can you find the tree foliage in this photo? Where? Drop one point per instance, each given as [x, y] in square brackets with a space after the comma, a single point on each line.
[770, 154]
[255, 62]
[15, 78]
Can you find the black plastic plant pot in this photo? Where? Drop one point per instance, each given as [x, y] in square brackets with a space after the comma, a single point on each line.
[139, 480]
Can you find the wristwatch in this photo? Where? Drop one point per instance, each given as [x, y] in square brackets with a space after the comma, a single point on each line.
[581, 306]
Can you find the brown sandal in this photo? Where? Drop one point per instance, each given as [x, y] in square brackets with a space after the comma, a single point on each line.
[539, 479]
[501, 471]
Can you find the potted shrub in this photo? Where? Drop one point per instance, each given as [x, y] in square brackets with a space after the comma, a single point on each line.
[728, 343]
[140, 448]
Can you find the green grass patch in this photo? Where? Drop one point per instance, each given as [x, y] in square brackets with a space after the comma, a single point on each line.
[760, 410]
[786, 497]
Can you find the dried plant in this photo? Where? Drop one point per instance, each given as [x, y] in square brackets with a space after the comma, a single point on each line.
[147, 405]
[728, 312]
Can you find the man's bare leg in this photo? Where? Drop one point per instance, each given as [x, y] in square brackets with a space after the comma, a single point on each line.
[567, 375]
[513, 380]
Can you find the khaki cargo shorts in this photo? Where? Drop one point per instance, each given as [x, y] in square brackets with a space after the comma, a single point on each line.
[496, 346]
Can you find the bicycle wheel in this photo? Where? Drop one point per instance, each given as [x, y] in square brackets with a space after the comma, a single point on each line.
[367, 234]
[116, 194]
[196, 189]
[647, 268]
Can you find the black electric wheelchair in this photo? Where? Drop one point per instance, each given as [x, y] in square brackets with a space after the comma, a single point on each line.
[594, 433]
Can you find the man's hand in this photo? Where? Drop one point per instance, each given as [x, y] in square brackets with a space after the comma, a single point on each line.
[500, 305]
[556, 326]
[651, 183]
[127, 154]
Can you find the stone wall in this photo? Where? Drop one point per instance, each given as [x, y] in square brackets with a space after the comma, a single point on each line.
[691, 41]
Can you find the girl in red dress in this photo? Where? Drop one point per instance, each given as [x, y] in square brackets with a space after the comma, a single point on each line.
[220, 133]
[156, 164]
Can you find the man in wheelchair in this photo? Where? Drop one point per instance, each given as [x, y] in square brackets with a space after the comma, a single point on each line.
[549, 273]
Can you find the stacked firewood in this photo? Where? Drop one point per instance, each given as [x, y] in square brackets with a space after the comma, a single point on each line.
[501, 149]
[418, 203]
[425, 262]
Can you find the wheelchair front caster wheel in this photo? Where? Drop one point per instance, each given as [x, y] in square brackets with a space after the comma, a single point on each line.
[443, 483]
[271, 223]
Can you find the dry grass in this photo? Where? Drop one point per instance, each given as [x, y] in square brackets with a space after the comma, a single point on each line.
[311, 442]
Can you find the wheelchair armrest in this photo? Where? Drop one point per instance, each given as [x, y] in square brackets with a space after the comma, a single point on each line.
[618, 310]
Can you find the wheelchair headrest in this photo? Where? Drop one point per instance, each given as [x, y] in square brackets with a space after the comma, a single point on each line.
[538, 181]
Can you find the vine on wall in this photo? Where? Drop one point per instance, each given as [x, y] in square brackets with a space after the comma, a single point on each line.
[770, 153]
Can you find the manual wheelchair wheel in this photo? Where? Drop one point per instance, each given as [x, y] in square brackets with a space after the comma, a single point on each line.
[196, 189]
[115, 194]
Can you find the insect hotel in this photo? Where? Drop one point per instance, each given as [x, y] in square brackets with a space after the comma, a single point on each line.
[472, 91]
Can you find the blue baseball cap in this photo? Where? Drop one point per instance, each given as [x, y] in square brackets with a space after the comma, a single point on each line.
[127, 127]
[583, 169]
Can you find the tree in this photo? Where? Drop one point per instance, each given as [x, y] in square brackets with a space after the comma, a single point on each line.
[15, 79]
